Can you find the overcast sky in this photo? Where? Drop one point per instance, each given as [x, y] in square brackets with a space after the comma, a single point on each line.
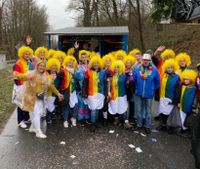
[58, 16]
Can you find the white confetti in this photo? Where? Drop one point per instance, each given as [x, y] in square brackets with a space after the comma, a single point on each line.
[73, 156]
[136, 132]
[143, 135]
[139, 150]
[131, 145]
[62, 143]
[17, 143]
[111, 131]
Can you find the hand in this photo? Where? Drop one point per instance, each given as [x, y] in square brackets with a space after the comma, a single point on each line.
[179, 105]
[159, 50]
[29, 77]
[60, 97]
[76, 45]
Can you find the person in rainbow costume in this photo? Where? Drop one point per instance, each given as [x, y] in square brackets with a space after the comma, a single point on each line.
[52, 68]
[184, 62]
[83, 110]
[23, 65]
[70, 64]
[94, 88]
[169, 86]
[118, 104]
[187, 95]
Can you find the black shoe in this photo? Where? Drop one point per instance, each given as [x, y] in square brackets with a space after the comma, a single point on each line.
[137, 128]
[97, 126]
[170, 130]
[157, 118]
[105, 123]
[161, 127]
[147, 130]
[92, 128]
[184, 133]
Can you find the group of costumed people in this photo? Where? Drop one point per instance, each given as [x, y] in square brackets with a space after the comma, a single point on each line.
[83, 86]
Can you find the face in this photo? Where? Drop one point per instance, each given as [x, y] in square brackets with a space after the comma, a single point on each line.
[116, 69]
[28, 40]
[128, 64]
[96, 65]
[182, 63]
[41, 68]
[70, 64]
[170, 69]
[119, 57]
[60, 58]
[146, 62]
[186, 81]
[108, 63]
[84, 58]
[53, 69]
[138, 57]
[42, 54]
[26, 56]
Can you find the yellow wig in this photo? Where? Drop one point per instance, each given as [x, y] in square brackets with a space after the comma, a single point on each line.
[184, 56]
[134, 52]
[23, 50]
[53, 62]
[68, 59]
[120, 64]
[120, 53]
[170, 62]
[167, 53]
[59, 54]
[107, 57]
[39, 49]
[50, 54]
[70, 51]
[83, 52]
[129, 58]
[96, 59]
[189, 74]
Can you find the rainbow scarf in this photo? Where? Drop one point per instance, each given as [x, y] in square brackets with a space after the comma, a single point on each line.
[118, 86]
[168, 85]
[96, 82]
[187, 98]
[66, 79]
[21, 66]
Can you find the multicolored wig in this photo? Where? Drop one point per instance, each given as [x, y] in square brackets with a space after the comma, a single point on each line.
[23, 50]
[189, 74]
[53, 62]
[167, 53]
[170, 62]
[39, 49]
[184, 56]
[120, 65]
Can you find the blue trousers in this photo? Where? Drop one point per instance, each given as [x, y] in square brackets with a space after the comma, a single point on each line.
[94, 116]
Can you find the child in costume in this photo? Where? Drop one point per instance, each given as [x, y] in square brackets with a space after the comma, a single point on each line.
[83, 110]
[70, 65]
[118, 104]
[107, 62]
[129, 62]
[169, 86]
[52, 67]
[23, 65]
[184, 62]
[94, 88]
[37, 86]
[187, 95]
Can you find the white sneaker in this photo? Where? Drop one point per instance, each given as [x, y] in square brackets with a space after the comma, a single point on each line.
[40, 135]
[32, 130]
[66, 124]
[22, 125]
[73, 120]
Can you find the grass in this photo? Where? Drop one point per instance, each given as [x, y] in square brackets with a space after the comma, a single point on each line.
[6, 87]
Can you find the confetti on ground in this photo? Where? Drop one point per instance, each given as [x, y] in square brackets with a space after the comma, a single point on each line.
[154, 140]
[117, 135]
[17, 143]
[131, 145]
[139, 150]
[75, 163]
[62, 142]
[136, 132]
[73, 156]
[143, 135]
[154, 131]
[111, 131]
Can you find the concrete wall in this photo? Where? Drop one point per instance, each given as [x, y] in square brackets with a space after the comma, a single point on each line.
[2, 60]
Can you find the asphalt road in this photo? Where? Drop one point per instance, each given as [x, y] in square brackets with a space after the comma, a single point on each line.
[20, 149]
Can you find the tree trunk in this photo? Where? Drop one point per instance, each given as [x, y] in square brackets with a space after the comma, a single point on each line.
[140, 26]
